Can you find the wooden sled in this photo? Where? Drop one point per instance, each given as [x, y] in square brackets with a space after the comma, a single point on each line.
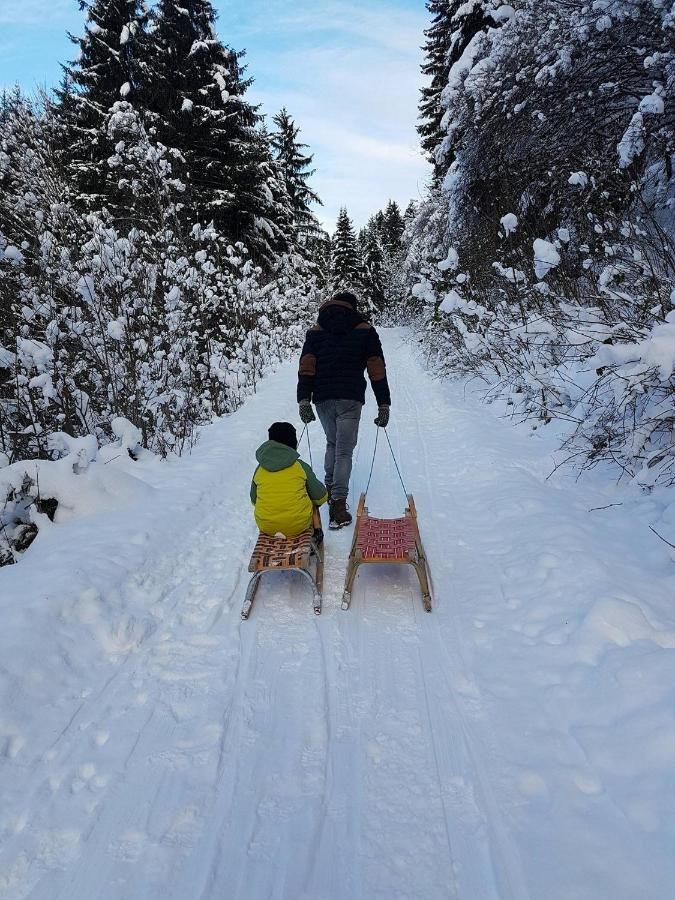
[378, 541]
[299, 554]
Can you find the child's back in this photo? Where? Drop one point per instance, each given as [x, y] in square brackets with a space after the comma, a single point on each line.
[284, 488]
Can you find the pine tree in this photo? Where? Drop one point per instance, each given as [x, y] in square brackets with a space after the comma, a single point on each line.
[454, 24]
[197, 107]
[346, 262]
[295, 170]
[374, 267]
[435, 67]
[392, 228]
[410, 213]
[110, 67]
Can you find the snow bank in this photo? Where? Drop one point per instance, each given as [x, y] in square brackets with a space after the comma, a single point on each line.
[82, 481]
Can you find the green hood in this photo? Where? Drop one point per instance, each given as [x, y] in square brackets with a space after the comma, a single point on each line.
[274, 456]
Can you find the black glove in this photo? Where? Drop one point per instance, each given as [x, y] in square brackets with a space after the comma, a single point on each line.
[382, 419]
[306, 412]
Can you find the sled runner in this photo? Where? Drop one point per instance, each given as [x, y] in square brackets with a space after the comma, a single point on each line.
[301, 554]
[378, 541]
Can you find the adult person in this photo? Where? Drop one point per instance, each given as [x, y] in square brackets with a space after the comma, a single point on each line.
[337, 352]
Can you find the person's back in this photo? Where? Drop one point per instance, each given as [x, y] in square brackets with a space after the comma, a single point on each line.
[284, 489]
[338, 350]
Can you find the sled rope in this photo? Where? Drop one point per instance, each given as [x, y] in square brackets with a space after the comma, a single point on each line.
[398, 470]
[305, 431]
[393, 456]
[372, 464]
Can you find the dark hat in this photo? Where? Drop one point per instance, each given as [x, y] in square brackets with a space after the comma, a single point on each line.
[284, 433]
[347, 297]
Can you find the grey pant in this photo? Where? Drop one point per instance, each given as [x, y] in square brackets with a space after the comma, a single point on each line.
[340, 421]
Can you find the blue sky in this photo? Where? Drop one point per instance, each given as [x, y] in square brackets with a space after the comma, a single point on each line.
[347, 71]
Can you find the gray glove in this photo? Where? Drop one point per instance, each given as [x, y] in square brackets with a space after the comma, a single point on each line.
[306, 412]
[382, 419]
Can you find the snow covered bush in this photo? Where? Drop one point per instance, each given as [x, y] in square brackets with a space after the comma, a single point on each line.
[106, 318]
[554, 197]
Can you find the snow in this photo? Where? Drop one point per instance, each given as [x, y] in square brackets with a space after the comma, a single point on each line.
[127, 433]
[13, 254]
[632, 142]
[503, 13]
[451, 262]
[115, 329]
[516, 742]
[652, 104]
[656, 350]
[546, 257]
[451, 302]
[187, 105]
[578, 179]
[125, 35]
[125, 90]
[509, 223]
[515, 276]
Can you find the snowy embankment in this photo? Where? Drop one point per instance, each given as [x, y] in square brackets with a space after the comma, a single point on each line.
[517, 742]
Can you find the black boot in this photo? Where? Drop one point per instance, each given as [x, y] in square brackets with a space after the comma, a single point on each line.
[339, 515]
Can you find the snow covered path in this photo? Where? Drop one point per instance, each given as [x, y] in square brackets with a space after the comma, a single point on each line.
[519, 742]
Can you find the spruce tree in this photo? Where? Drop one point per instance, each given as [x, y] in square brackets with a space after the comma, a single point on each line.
[436, 68]
[374, 267]
[346, 261]
[454, 24]
[294, 165]
[197, 106]
[410, 213]
[392, 228]
[110, 67]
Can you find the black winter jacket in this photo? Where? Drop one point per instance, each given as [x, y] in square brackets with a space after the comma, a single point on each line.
[337, 351]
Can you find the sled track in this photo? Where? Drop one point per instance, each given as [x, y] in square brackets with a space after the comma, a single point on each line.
[380, 753]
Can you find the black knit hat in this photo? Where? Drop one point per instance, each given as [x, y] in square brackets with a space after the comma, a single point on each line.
[284, 433]
[347, 297]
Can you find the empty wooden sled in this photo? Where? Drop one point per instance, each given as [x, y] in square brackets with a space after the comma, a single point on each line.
[379, 541]
[303, 554]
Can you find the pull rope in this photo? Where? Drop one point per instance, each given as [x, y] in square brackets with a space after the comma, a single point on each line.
[305, 431]
[393, 456]
[372, 464]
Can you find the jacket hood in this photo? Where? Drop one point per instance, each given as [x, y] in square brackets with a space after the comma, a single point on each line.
[274, 456]
[338, 317]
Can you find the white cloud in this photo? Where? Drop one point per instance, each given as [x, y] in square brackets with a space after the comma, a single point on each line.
[350, 76]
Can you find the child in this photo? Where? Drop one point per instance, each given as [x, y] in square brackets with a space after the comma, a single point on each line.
[284, 489]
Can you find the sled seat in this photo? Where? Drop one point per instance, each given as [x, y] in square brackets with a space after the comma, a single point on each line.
[277, 553]
[274, 554]
[385, 540]
[378, 541]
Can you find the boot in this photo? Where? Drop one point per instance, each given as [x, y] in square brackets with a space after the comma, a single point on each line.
[339, 515]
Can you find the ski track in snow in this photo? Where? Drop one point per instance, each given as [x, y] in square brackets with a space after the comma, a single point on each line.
[518, 742]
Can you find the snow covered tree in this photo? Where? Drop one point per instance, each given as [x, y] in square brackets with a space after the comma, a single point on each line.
[435, 68]
[295, 164]
[346, 262]
[392, 227]
[111, 66]
[546, 249]
[374, 275]
[453, 27]
[410, 213]
[197, 106]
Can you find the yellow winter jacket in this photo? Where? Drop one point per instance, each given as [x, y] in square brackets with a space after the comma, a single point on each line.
[284, 490]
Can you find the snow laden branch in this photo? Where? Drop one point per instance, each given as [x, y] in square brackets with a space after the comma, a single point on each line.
[543, 260]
